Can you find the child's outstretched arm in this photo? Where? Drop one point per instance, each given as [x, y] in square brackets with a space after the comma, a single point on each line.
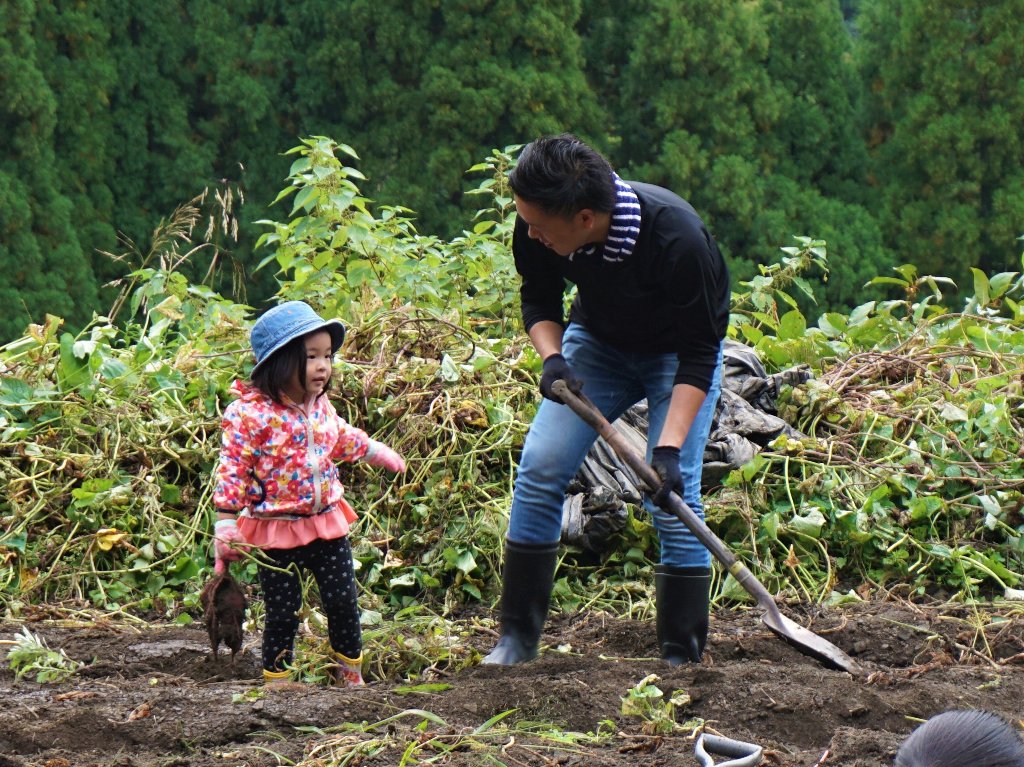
[379, 454]
[355, 445]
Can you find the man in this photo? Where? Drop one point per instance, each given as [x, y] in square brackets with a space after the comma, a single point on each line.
[648, 320]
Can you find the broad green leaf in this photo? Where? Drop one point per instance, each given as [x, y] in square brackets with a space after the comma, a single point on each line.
[751, 334]
[14, 392]
[289, 190]
[999, 283]
[16, 541]
[809, 524]
[450, 370]
[301, 165]
[358, 272]
[465, 562]
[887, 281]
[792, 326]
[981, 292]
[861, 313]
[73, 371]
[306, 199]
[952, 413]
[111, 368]
[832, 323]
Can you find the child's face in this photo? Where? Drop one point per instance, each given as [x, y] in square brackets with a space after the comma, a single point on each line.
[318, 367]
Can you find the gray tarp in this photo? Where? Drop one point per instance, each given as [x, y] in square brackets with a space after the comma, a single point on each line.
[745, 422]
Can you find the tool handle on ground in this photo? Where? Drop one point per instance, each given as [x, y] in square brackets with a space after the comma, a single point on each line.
[586, 410]
[744, 754]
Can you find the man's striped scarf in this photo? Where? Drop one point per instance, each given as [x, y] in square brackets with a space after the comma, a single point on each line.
[624, 227]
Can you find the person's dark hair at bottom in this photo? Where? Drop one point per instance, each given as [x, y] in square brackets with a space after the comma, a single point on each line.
[962, 739]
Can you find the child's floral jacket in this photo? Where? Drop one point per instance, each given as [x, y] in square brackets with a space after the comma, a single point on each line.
[277, 464]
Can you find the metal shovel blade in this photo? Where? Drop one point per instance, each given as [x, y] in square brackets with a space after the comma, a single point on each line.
[796, 635]
[808, 642]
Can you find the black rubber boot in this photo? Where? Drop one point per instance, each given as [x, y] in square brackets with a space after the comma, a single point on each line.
[526, 591]
[681, 595]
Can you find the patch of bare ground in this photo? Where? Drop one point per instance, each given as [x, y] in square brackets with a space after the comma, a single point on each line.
[149, 696]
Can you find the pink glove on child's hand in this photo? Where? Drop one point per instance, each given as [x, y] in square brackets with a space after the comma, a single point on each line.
[381, 455]
[228, 543]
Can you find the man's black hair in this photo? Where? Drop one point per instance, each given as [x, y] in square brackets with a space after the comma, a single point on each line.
[562, 176]
[962, 739]
[273, 375]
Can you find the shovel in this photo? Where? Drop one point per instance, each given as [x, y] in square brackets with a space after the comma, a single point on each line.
[796, 635]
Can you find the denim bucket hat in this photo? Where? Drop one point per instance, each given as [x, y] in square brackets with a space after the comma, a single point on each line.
[285, 322]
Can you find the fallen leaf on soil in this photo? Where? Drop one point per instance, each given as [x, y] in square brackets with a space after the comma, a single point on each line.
[75, 695]
[146, 709]
[641, 745]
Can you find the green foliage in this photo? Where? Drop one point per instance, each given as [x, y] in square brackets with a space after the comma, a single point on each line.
[908, 479]
[42, 262]
[944, 130]
[338, 252]
[647, 701]
[31, 655]
[766, 314]
[814, 141]
[426, 88]
[748, 111]
[110, 500]
[77, 57]
[108, 435]
[847, 121]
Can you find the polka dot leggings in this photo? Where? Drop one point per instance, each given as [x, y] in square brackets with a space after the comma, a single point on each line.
[331, 565]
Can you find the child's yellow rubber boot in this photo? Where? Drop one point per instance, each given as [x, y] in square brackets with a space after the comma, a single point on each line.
[347, 672]
[276, 678]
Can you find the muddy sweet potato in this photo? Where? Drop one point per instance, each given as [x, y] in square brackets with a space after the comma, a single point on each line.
[224, 605]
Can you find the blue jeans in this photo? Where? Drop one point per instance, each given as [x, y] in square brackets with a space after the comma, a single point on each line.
[558, 441]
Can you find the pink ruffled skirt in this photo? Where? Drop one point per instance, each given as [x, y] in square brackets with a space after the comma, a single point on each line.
[270, 533]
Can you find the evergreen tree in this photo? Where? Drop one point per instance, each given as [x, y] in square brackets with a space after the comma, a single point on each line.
[747, 110]
[193, 110]
[73, 45]
[162, 158]
[43, 266]
[945, 103]
[247, 106]
[816, 139]
[694, 95]
[816, 143]
[425, 90]
[849, 9]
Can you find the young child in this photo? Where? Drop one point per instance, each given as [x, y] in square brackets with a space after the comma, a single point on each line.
[278, 488]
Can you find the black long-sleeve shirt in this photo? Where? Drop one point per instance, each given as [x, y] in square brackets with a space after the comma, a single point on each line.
[670, 295]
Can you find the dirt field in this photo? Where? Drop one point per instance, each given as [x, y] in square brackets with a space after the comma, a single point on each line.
[151, 697]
